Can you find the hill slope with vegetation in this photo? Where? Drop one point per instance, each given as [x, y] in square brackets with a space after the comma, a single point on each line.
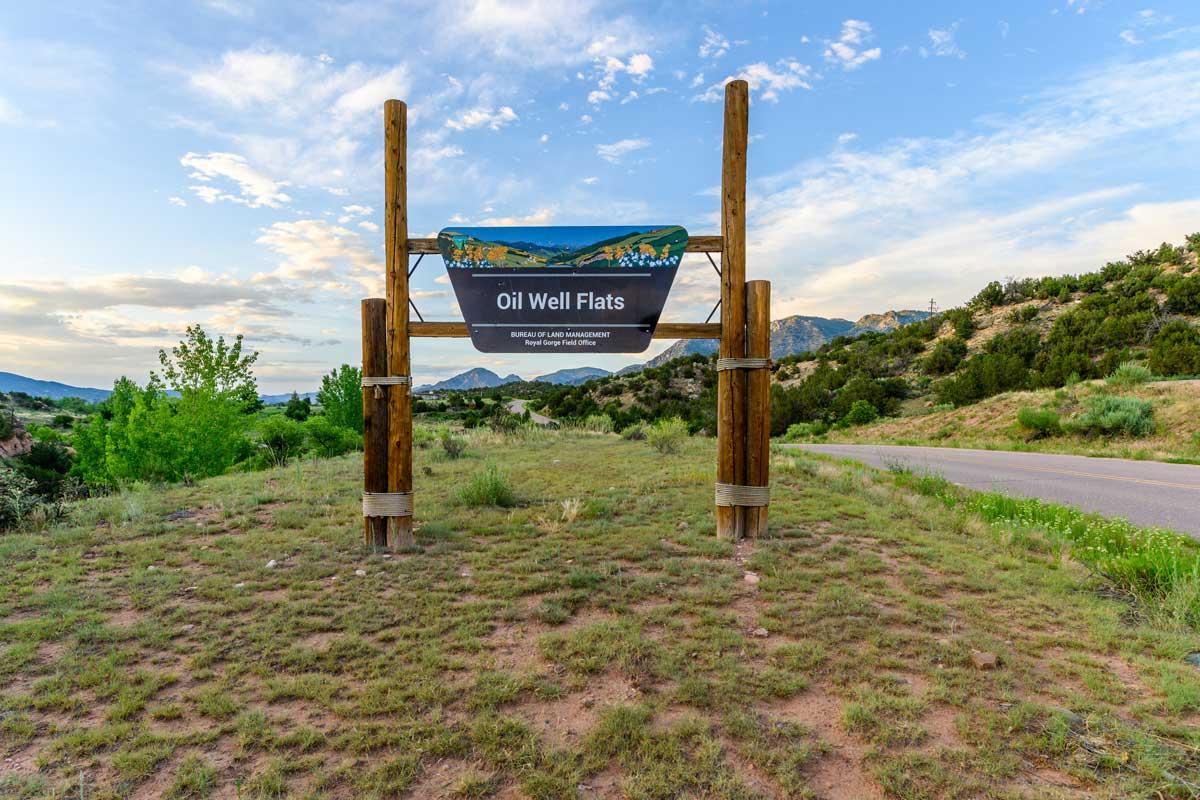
[1016, 335]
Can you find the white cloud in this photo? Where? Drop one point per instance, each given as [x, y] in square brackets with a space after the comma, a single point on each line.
[942, 43]
[545, 137]
[765, 80]
[887, 227]
[255, 189]
[598, 96]
[358, 210]
[534, 34]
[541, 216]
[482, 116]
[846, 51]
[177, 201]
[367, 225]
[1129, 37]
[614, 152]
[590, 180]
[714, 44]
[244, 78]
[640, 65]
[316, 253]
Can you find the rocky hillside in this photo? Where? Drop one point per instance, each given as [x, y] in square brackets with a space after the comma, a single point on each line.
[1031, 333]
[797, 334]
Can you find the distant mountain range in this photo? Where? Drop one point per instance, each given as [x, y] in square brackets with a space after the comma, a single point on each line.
[790, 335]
[279, 399]
[796, 334]
[477, 378]
[573, 376]
[11, 382]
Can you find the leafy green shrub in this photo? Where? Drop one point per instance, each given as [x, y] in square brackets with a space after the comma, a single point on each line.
[1019, 316]
[453, 446]
[861, 413]
[667, 435]
[598, 423]
[487, 488]
[983, 375]
[990, 296]
[1039, 421]
[1175, 350]
[18, 497]
[505, 421]
[799, 431]
[1109, 415]
[282, 438]
[1129, 374]
[1184, 296]
[423, 437]
[6, 425]
[946, 356]
[47, 465]
[635, 432]
[327, 440]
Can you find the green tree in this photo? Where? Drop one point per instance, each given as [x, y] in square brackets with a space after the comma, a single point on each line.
[1175, 350]
[297, 409]
[1184, 296]
[341, 397]
[946, 356]
[220, 370]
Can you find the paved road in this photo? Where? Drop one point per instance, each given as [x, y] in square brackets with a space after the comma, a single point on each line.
[1144, 492]
[518, 407]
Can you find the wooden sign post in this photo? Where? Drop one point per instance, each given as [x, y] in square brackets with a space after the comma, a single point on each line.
[743, 365]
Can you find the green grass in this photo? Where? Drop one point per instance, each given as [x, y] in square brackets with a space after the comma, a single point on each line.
[1160, 568]
[593, 638]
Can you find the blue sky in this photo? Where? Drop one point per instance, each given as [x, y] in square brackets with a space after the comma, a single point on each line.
[219, 161]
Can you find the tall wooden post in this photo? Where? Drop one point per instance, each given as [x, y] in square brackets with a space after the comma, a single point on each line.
[400, 533]
[375, 414]
[758, 399]
[731, 383]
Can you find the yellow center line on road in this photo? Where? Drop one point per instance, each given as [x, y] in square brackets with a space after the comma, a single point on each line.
[1081, 474]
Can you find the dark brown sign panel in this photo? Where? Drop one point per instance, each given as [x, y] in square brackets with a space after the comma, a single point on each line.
[596, 289]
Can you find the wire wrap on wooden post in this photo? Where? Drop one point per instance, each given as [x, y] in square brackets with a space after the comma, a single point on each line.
[742, 363]
[729, 494]
[387, 504]
[379, 381]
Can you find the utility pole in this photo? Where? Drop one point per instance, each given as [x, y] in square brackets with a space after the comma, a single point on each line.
[932, 307]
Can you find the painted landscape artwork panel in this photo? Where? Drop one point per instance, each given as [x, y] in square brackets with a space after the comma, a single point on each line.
[596, 289]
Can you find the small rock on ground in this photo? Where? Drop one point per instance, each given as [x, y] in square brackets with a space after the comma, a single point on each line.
[984, 661]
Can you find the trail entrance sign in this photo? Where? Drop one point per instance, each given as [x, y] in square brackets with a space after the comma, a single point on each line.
[588, 299]
[593, 289]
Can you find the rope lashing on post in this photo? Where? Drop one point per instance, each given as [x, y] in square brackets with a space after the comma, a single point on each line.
[729, 494]
[387, 504]
[742, 363]
[380, 381]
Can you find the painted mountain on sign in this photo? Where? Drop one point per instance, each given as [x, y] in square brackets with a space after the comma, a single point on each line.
[645, 246]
